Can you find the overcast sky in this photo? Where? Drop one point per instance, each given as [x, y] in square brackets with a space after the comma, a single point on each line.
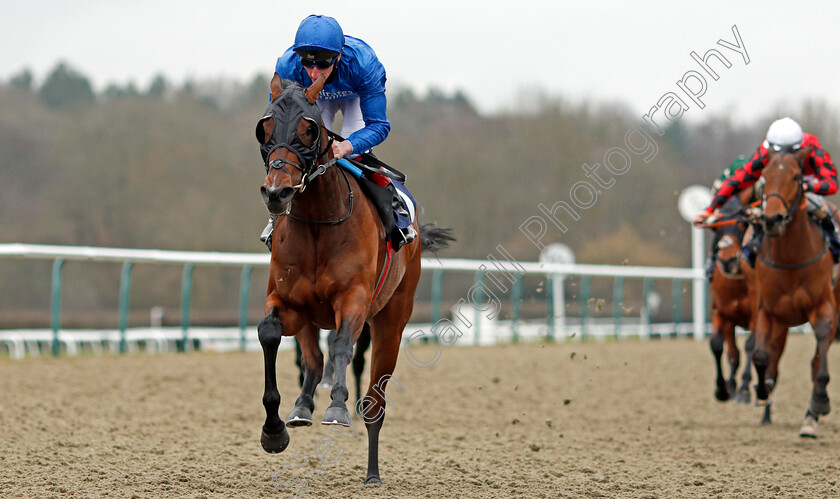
[495, 51]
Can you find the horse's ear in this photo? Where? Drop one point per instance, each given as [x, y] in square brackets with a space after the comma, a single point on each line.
[275, 86]
[803, 153]
[264, 129]
[315, 88]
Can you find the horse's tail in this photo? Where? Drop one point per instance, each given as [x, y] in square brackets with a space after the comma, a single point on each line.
[434, 238]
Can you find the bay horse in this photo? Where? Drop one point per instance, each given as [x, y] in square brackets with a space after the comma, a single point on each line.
[327, 255]
[793, 282]
[730, 301]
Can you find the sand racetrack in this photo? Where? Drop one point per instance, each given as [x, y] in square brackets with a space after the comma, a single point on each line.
[623, 419]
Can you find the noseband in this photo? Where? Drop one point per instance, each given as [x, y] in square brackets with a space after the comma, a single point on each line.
[309, 172]
[790, 208]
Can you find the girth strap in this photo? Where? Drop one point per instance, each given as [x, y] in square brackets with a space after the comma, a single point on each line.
[382, 275]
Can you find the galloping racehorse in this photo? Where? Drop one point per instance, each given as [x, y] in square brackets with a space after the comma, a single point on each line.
[329, 269]
[731, 304]
[793, 284]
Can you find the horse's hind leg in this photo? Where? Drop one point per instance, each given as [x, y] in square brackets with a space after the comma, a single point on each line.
[312, 365]
[351, 318]
[329, 369]
[362, 344]
[275, 437]
[742, 396]
[386, 348]
[824, 332]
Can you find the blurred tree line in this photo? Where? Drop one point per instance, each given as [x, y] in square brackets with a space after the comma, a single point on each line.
[177, 167]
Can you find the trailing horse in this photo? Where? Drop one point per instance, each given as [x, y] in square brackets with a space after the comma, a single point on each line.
[730, 300]
[330, 269]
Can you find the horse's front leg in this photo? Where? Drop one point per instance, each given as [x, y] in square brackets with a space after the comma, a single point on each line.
[824, 326]
[760, 355]
[275, 437]
[312, 366]
[733, 354]
[743, 394]
[716, 344]
[768, 352]
[351, 313]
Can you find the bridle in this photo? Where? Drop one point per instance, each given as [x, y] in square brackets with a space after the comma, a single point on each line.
[307, 173]
[790, 208]
[308, 156]
[725, 242]
[799, 202]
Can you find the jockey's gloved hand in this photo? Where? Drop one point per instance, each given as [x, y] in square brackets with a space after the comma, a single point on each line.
[702, 218]
[754, 214]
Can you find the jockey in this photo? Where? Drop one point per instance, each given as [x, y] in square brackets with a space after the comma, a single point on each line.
[819, 179]
[756, 192]
[355, 85]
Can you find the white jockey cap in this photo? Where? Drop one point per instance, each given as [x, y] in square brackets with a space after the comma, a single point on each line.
[784, 133]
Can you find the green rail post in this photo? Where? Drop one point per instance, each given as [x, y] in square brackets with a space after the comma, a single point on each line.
[186, 298]
[516, 298]
[244, 299]
[647, 286]
[549, 307]
[618, 302]
[437, 290]
[585, 284]
[55, 306]
[125, 290]
[479, 297]
[676, 294]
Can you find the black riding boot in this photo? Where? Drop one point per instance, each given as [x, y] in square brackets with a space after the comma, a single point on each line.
[750, 249]
[710, 266]
[833, 241]
[266, 233]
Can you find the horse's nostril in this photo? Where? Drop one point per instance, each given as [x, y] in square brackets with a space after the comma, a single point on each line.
[286, 194]
[774, 220]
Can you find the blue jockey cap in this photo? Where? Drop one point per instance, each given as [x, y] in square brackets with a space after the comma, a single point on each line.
[319, 34]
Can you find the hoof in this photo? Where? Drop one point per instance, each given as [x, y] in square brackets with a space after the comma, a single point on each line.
[765, 420]
[373, 480]
[743, 396]
[809, 427]
[820, 408]
[274, 443]
[300, 416]
[731, 386]
[336, 416]
[721, 394]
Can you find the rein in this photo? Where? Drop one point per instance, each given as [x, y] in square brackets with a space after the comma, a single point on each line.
[323, 168]
[793, 266]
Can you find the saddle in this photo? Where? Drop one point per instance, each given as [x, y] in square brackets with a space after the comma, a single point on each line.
[383, 185]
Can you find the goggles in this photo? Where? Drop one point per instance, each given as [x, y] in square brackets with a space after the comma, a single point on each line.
[318, 63]
[792, 147]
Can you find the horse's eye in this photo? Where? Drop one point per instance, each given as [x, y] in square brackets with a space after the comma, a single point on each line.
[310, 130]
